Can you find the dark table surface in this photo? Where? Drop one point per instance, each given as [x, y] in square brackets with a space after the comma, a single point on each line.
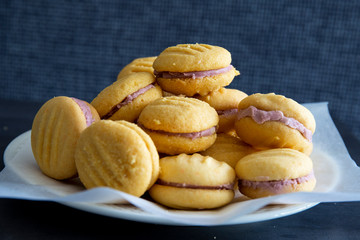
[21, 219]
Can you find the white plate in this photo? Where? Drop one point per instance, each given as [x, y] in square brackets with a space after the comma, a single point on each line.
[128, 211]
[132, 213]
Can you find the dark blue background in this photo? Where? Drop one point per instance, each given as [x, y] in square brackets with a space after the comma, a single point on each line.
[305, 50]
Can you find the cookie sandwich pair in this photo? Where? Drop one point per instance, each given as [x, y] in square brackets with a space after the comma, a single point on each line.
[201, 71]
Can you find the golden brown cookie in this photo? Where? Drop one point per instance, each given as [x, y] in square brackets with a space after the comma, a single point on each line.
[225, 101]
[274, 121]
[126, 98]
[275, 171]
[228, 149]
[191, 69]
[193, 182]
[179, 124]
[117, 154]
[138, 65]
[55, 132]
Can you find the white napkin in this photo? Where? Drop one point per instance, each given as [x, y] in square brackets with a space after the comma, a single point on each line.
[336, 173]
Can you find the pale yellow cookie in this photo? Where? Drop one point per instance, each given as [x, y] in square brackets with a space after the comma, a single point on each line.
[55, 131]
[228, 149]
[191, 69]
[193, 182]
[225, 101]
[126, 98]
[179, 124]
[274, 121]
[275, 171]
[117, 154]
[138, 65]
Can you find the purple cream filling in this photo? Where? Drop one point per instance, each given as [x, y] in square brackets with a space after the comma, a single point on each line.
[229, 186]
[275, 186]
[193, 75]
[86, 111]
[127, 100]
[227, 112]
[193, 135]
[261, 116]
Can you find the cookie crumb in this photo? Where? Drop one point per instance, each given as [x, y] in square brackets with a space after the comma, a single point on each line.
[157, 121]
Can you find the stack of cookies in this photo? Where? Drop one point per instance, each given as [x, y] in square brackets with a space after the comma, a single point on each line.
[169, 126]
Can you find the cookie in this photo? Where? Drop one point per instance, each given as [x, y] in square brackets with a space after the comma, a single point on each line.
[117, 154]
[126, 97]
[193, 182]
[228, 149]
[225, 101]
[179, 124]
[138, 65]
[275, 171]
[191, 69]
[55, 131]
[273, 121]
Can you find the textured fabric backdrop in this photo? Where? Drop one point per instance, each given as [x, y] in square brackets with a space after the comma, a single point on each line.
[305, 50]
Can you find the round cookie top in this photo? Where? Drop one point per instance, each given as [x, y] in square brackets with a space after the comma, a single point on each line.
[196, 170]
[224, 98]
[274, 102]
[119, 90]
[116, 154]
[274, 164]
[79, 112]
[192, 57]
[138, 65]
[150, 146]
[178, 115]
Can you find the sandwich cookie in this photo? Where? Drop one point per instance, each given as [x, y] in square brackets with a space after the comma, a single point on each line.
[55, 131]
[126, 97]
[138, 65]
[225, 101]
[274, 121]
[179, 124]
[275, 171]
[193, 182]
[117, 154]
[191, 69]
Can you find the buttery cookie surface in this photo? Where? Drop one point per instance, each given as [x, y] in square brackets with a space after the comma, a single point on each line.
[275, 171]
[191, 69]
[193, 182]
[192, 58]
[228, 149]
[55, 132]
[225, 101]
[117, 154]
[126, 97]
[274, 121]
[179, 124]
[138, 65]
